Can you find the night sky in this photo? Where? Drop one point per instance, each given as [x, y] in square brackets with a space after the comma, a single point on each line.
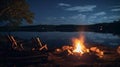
[74, 11]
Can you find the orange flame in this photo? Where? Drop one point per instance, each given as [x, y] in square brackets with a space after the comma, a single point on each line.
[78, 45]
[78, 48]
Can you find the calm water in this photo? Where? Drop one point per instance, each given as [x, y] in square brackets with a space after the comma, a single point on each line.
[55, 39]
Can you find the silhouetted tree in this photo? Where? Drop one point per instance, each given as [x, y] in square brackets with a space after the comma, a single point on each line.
[13, 12]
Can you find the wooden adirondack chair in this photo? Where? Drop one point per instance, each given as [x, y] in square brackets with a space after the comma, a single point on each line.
[15, 44]
[40, 44]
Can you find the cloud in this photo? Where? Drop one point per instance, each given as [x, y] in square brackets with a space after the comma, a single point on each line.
[82, 8]
[117, 9]
[114, 17]
[100, 14]
[92, 18]
[108, 18]
[74, 19]
[64, 4]
[63, 17]
[51, 18]
[77, 19]
[117, 6]
[89, 19]
[79, 16]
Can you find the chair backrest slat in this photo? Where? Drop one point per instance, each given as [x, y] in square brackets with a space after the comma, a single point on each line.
[39, 42]
[14, 41]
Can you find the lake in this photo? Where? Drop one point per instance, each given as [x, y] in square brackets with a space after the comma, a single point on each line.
[58, 39]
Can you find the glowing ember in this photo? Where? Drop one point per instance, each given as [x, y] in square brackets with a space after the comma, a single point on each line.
[97, 51]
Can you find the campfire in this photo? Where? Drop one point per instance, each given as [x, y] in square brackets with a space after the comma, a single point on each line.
[78, 48]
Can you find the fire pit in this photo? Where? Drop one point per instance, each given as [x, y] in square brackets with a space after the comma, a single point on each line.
[78, 51]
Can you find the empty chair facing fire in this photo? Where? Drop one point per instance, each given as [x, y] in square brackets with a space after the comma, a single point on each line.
[15, 44]
[40, 46]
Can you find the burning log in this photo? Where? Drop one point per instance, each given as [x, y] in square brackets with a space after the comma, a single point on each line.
[67, 47]
[97, 51]
[79, 49]
[70, 52]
